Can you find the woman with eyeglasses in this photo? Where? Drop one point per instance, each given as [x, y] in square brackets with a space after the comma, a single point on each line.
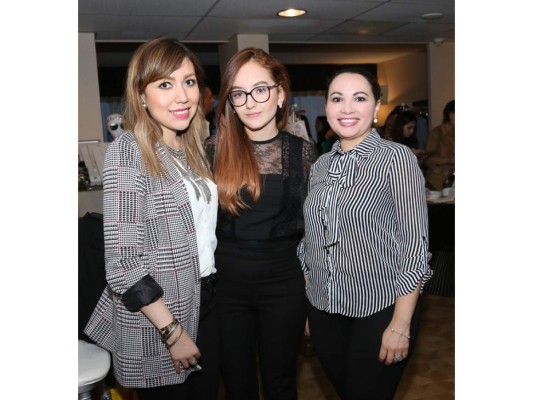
[261, 173]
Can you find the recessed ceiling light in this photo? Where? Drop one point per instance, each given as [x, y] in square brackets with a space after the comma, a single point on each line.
[291, 12]
[434, 15]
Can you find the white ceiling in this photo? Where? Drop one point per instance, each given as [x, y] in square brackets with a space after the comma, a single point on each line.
[213, 22]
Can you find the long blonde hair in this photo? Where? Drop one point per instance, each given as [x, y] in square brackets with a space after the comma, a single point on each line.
[236, 166]
[154, 60]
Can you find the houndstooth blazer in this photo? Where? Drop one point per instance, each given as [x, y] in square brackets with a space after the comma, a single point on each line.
[148, 230]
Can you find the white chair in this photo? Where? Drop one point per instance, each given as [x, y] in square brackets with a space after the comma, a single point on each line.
[93, 365]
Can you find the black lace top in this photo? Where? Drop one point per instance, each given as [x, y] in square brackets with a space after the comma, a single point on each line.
[284, 164]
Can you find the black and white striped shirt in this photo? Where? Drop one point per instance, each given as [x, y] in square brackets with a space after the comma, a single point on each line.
[366, 228]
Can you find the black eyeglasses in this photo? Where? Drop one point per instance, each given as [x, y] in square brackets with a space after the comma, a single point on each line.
[260, 94]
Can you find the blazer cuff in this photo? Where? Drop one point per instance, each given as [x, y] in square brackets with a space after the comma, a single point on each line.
[144, 292]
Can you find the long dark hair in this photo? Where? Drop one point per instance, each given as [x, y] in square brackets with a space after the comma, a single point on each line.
[401, 120]
[449, 108]
[374, 85]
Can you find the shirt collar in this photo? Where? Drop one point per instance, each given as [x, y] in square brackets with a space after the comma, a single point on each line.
[363, 149]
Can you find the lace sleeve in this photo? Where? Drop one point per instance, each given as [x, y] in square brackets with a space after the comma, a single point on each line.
[309, 156]
[210, 147]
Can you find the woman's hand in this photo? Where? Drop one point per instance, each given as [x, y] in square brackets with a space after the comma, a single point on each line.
[394, 344]
[395, 339]
[184, 352]
[182, 348]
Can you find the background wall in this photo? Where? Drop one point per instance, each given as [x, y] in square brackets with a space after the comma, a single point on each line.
[441, 65]
[424, 75]
[406, 79]
[89, 115]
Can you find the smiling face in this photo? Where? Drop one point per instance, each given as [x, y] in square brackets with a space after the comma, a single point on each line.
[173, 101]
[259, 119]
[351, 108]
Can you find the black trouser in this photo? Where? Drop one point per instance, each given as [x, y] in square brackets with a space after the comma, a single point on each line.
[348, 349]
[200, 385]
[262, 317]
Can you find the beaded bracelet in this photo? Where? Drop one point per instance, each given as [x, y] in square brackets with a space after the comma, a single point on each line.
[176, 340]
[401, 334]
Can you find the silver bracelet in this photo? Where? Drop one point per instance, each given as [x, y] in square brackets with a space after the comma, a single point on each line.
[167, 331]
[399, 333]
[176, 340]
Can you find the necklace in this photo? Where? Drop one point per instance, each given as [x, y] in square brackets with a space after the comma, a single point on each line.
[196, 181]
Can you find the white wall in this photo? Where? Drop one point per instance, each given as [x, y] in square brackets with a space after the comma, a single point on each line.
[239, 42]
[89, 114]
[441, 64]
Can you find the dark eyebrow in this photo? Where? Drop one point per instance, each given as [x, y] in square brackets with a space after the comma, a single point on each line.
[170, 78]
[355, 94]
[260, 83]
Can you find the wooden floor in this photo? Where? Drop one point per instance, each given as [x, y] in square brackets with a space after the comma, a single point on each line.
[431, 372]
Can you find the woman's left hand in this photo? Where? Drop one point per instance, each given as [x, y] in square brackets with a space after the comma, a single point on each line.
[394, 345]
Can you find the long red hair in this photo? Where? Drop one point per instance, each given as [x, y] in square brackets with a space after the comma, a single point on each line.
[235, 164]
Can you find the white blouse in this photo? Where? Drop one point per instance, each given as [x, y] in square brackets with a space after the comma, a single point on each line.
[205, 221]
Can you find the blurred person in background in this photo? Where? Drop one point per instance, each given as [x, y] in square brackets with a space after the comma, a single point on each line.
[441, 149]
[385, 131]
[208, 101]
[403, 131]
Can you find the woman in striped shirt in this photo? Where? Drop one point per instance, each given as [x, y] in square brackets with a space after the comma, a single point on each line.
[365, 250]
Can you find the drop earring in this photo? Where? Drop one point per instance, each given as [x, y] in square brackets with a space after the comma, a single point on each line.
[375, 120]
[144, 103]
[280, 105]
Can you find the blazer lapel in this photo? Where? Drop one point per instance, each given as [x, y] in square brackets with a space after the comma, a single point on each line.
[174, 179]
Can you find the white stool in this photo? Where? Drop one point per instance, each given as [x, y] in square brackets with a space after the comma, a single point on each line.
[93, 365]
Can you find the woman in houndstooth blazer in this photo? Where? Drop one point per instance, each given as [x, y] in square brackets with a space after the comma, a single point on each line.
[157, 313]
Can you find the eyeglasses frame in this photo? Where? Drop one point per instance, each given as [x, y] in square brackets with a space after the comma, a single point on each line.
[269, 87]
